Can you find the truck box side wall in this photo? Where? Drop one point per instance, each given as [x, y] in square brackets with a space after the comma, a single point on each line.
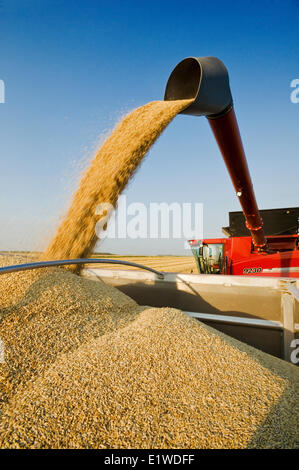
[225, 297]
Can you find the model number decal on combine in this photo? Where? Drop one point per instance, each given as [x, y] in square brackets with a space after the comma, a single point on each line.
[252, 270]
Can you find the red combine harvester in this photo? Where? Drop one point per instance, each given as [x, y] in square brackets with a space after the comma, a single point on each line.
[205, 80]
[238, 254]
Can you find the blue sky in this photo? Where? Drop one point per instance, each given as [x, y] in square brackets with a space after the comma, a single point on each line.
[73, 68]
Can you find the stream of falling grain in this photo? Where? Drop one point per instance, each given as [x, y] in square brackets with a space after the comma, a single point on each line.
[108, 175]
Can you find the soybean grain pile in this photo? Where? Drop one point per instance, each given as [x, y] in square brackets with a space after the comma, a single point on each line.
[108, 175]
[86, 367]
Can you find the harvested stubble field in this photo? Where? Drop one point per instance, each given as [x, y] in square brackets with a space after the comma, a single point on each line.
[176, 264]
[86, 367]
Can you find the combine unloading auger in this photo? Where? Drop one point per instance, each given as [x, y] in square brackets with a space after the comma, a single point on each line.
[205, 80]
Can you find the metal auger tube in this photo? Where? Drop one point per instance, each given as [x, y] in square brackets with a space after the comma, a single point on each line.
[205, 80]
[65, 262]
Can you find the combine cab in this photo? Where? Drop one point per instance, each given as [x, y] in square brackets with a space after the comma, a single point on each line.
[239, 256]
